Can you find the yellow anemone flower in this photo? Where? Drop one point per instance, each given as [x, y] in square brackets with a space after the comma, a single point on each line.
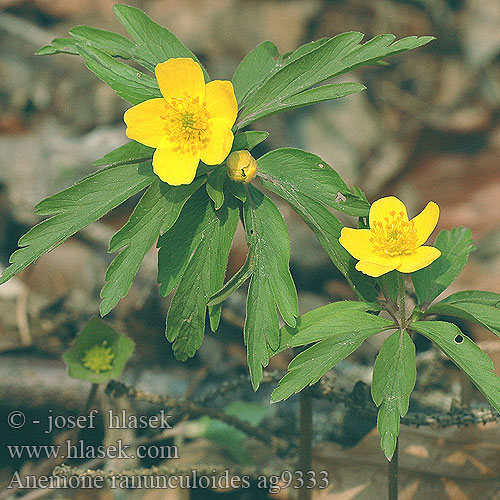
[393, 241]
[192, 121]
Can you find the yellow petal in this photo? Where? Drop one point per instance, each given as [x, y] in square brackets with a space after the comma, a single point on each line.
[357, 243]
[221, 102]
[384, 206]
[219, 144]
[180, 77]
[419, 258]
[373, 269]
[175, 167]
[145, 123]
[425, 222]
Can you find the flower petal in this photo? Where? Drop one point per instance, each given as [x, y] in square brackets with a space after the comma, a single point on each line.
[384, 206]
[175, 167]
[357, 242]
[145, 123]
[373, 269]
[179, 77]
[221, 101]
[425, 222]
[219, 144]
[419, 258]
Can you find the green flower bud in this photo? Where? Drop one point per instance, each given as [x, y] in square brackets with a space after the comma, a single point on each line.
[241, 166]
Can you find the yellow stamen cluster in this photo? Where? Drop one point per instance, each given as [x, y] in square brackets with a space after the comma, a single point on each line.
[186, 124]
[98, 358]
[394, 236]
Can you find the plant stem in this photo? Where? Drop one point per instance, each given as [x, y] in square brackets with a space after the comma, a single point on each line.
[91, 398]
[402, 297]
[305, 446]
[392, 475]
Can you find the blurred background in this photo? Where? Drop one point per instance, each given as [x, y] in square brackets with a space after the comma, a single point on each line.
[427, 128]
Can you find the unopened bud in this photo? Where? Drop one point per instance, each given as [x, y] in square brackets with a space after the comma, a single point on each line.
[241, 166]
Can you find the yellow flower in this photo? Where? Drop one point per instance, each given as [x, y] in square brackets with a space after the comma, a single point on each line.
[192, 121]
[241, 166]
[392, 242]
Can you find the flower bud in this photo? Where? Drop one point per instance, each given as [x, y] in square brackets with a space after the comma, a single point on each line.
[241, 166]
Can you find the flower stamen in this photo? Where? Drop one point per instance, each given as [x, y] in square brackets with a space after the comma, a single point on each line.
[395, 236]
[186, 124]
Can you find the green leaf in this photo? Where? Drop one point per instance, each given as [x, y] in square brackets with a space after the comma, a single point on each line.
[155, 44]
[215, 186]
[58, 46]
[465, 354]
[338, 335]
[326, 320]
[394, 376]
[97, 333]
[338, 55]
[130, 84]
[389, 283]
[477, 306]
[303, 50]
[431, 281]
[233, 284]
[238, 190]
[156, 212]
[77, 207]
[312, 96]
[130, 152]
[248, 140]
[107, 41]
[322, 222]
[271, 284]
[254, 68]
[294, 170]
[203, 276]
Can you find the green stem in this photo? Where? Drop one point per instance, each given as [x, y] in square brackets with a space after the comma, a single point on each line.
[305, 446]
[91, 398]
[402, 300]
[392, 475]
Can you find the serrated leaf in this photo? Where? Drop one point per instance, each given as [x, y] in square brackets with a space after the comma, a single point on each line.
[130, 152]
[248, 140]
[431, 281]
[156, 212]
[322, 93]
[338, 55]
[130, 84]
[253, 69]
[77, 207]
[324, 321]
[394, 376]
[155, 44]
[179, 242]
[465, 354]
[322, 222]
[215, 186]
[203, 276]
[302, 50]
[271, 284]
[339, 335]
[294, 170]
[58, 46]
[112, 43]
[477, 306]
